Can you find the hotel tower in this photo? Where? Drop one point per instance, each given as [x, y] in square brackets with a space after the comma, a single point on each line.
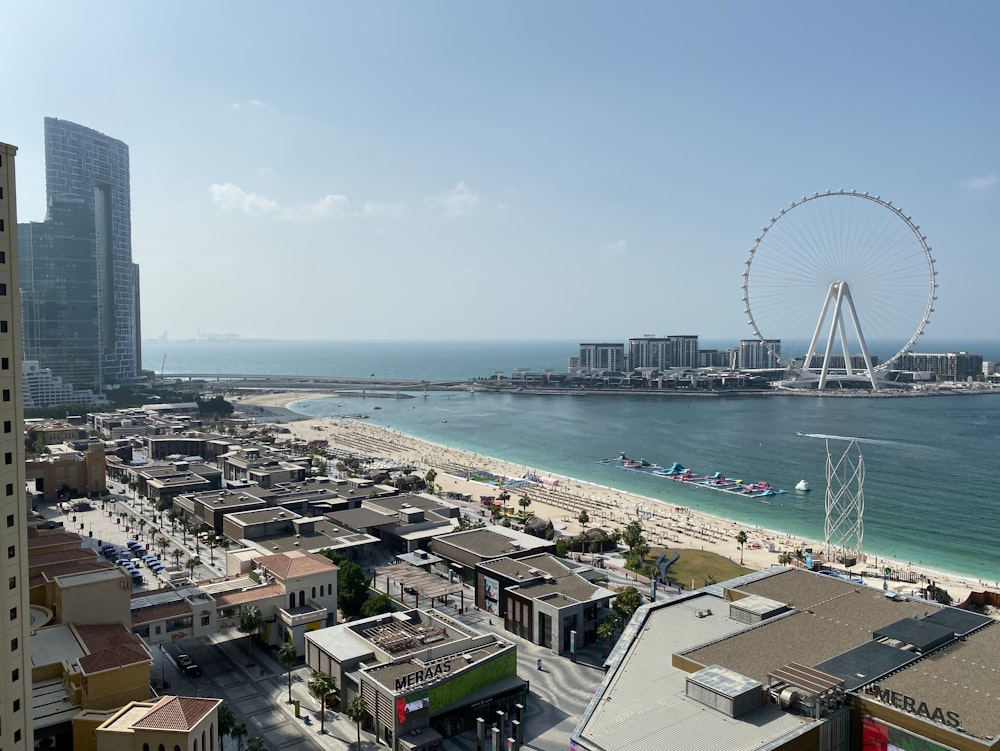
[15, 651]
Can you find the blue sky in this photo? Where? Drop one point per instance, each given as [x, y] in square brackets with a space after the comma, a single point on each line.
[561, 170]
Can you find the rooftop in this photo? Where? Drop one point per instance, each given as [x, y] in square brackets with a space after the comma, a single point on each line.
[180, 713]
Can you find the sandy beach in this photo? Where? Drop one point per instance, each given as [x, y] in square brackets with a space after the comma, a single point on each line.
[664, 523]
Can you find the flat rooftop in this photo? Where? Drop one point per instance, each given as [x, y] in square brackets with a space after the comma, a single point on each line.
[643, 699]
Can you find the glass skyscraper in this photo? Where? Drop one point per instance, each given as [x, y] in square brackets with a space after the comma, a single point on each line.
[79, 285]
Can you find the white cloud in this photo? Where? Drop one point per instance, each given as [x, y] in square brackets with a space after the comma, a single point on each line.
[615, 249]
[247, 105]
[231, 197]
[382, 210]
[454, 202]
[976, 184]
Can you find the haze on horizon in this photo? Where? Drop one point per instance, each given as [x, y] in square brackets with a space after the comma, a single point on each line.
[575, 171]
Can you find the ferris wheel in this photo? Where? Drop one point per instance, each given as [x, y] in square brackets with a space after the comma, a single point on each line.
[859, 262]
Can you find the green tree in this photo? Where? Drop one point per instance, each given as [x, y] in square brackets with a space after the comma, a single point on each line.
[562, 549]
[636, 543]
[192, 563]
[627, 601]
[710, 580]
[256, 744]
[741, 538]
[239, 732]
[176, 554]
[288, 655]
[430, 477]
[226, 722]
[357, 710]
[352, 588]
[321, 685]
[377, 605]
[162, 543]
[784, 558]
[250, 623]
[583, 518]
[606, 632]
[524, 501]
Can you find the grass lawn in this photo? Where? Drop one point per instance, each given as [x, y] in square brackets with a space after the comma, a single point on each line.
[699, 565]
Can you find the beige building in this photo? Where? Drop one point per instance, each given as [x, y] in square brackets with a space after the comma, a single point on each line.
[172, 723]
[15, 652]
[69, 473]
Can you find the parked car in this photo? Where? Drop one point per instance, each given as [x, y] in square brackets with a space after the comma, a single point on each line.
[188, 666]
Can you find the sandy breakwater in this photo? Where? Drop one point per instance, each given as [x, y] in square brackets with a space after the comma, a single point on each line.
[608, 507]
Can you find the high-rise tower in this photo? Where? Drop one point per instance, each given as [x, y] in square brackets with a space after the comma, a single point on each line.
[77, 276]
[15, 651]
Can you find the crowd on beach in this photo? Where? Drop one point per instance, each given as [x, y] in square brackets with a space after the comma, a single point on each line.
[664, 524]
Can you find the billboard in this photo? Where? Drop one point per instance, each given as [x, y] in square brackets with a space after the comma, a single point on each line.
[491, 595]
[880, 736]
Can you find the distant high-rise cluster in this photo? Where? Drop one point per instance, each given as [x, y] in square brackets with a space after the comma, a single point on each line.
[676, 351]
[79, 285]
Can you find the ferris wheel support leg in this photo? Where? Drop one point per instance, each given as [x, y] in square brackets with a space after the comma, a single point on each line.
[819, 326]
[837, 315]
[861, 340]
[846, 349]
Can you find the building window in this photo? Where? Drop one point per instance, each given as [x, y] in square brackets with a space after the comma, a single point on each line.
[15, 675]
[3, 327]
[17, 705]
[10, 488]
[10, 520]
[8, 457]
[1, 225]
[145, 747]
[3, 287]
[3, 253]
[12, 582]
[4, 363]
[10, 551]
[7, 426]
[17, 736]
[6, 392]
[13, 644]
[313, 589]
[13, 614]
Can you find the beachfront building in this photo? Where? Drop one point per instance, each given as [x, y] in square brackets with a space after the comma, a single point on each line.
[754, 354]
[43, 388]
[464, 551]
[207, 446]
[788, 659]
[540, 599]
[424, 676]
[602, 356]
[948, 366]
[273, 530]
[15, 657]
[79, 285]
[170, 723]
[255, 465]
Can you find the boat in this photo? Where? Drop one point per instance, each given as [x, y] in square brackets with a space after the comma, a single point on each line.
[802, 485]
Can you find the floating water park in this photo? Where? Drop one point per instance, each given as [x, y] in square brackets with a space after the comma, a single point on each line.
[679, 473]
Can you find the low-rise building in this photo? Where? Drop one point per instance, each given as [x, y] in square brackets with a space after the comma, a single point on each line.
[467, 549]
[541, 600]
[423, 676]
[69, 472]
[171, 723]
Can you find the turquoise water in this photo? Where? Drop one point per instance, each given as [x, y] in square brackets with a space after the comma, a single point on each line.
[932, 494]
[931, 490]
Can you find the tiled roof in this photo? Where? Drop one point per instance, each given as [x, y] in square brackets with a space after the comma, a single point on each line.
[176, 713]
[112, 658]
[248, 595]
[159, 612]
[108, 646]
[296, 563]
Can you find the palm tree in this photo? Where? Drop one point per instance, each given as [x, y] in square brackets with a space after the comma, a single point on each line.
[784, 558]
[239, 732]
[524, 501]
[357, 710]
[142, 525]
[226, 722]
[321, 685]
[741, 538]
[605, 632]
[250, 623]
[583, 518]
[288, 655]
[176, 553]
[192, 563]
[256, 744]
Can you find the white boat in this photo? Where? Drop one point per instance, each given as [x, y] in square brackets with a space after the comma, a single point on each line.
[802, 485]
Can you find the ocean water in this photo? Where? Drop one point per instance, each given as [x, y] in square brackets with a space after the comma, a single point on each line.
[931, 489]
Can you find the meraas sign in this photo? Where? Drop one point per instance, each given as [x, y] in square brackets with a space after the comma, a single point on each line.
[422, 675]
[919, 708]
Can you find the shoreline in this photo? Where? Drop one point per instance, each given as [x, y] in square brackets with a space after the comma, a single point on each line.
[664, 523]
